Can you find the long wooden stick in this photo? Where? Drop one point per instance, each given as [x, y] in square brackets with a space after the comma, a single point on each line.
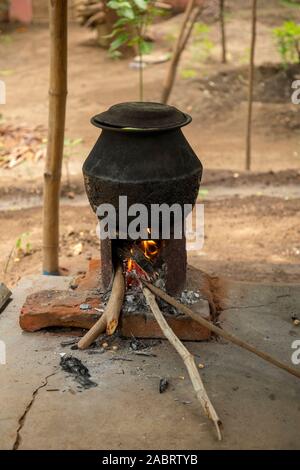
[110, 318]
[188, 360]
[251, 83]
[56, 127]
[181, 41]
[210, 326]
[223, 32]
[189, 28]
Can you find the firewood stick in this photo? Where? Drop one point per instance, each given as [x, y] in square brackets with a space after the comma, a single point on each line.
[188, 360]
[114, 306]
[110, 318]
[210, 326]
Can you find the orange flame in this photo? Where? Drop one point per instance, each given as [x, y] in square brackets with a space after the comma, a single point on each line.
[149, 248]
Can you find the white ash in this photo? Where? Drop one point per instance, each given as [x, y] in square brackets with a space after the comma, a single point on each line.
[189, 297]
[135, 301]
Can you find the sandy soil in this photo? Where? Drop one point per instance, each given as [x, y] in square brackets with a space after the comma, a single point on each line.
[252, 220]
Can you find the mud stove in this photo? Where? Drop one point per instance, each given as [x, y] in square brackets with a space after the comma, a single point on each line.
[143, 158]
[142, 155]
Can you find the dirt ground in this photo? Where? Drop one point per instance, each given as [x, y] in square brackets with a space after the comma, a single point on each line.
[252, 229]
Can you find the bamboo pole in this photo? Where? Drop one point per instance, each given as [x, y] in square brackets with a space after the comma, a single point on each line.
[223, 32]
[56, 126]
[250, 91]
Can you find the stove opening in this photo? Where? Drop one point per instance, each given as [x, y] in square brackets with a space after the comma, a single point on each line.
[164, 261]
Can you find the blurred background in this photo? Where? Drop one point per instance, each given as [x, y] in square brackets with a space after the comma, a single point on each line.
[252, 223]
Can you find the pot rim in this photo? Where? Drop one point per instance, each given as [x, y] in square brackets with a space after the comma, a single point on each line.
[128, 116]
[127, 130]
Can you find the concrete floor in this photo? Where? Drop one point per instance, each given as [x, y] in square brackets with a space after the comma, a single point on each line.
[258, 404]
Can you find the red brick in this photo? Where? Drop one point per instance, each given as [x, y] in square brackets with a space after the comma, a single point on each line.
[50, 308]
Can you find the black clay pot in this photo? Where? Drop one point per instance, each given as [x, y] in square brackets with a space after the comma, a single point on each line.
[142, 154]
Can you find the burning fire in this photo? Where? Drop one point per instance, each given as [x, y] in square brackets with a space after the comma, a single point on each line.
[150, 250]
[130, 262]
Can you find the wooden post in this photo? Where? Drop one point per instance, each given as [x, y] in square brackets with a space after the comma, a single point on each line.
[56, 127]
[250, 92]
[223, 33]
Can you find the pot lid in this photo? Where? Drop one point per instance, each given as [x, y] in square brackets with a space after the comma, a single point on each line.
[141, 116]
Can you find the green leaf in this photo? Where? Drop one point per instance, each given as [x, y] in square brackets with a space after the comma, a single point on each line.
[145, 47]
[127, 13]
[118, 42]
[288, 41]
[113, 4]
[117, 5]
[121, 22]
[202, 193]
[141, 4]
[77, 141]
[114, 54]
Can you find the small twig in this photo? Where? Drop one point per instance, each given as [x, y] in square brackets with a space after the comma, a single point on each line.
[119, 358]
[7, 262]
[188, 360]
[143, 353]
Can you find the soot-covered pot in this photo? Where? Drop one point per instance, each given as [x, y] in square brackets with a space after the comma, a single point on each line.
[142, 154]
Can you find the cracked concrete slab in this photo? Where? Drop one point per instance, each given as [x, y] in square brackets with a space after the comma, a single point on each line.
[258, 404]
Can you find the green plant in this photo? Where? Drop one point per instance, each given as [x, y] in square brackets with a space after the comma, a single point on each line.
[188, 73]
[4, 5]
[288, 42]
[6, 38]
[202, 45]
[134, 16]
[69, 144]
[291, 3]
[21, 248]
[23, 245]
[202, 193]
[245, 56]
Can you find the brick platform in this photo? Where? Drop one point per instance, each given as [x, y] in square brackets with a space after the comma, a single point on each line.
[50, 308]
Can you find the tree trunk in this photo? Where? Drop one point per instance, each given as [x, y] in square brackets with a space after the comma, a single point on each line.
[250, 92]
[56, 128]
[223, 33]
[179, 46]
